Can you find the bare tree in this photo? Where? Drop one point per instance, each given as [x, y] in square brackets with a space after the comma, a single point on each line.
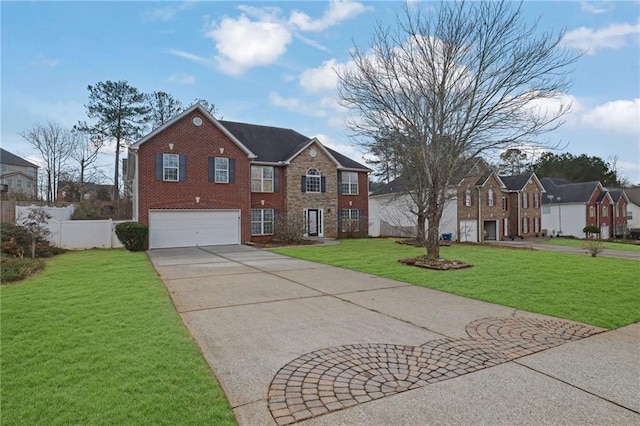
[53, 142]
[211, 108]
[86, 148]
[162, 108]
[455, 83]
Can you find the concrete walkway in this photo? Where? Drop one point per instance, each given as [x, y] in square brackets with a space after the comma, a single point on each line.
[293, 341]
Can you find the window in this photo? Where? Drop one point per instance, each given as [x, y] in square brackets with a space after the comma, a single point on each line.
[29, 184]
[262, 221]
[350, 220]
[536, 200]
[536, 223]
[222, 170]
[170, 167]
[629, 215]
[505, 203]
[349, 183]
[592, 211]
[490, 199]
[262, 179]
[605, 211]
[31, 171]
[546, 209]
[525, 200]
[5, 168]
[467, 197]
[313, 181]
[19, 183]
[525, 225]
[9, 182]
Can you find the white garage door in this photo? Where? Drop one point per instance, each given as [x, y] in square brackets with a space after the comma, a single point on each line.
[469, 231]
[187, 228]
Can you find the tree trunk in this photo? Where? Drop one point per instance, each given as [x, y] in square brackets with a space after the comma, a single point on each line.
[116, 172]
[422, 220]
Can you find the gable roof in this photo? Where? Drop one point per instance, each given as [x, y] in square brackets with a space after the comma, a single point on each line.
[518, 182]
[8, 158]
[633, 195]
[618, 194]
[569, 192]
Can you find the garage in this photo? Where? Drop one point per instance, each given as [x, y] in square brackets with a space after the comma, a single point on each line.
[469, 231]
[187, 228]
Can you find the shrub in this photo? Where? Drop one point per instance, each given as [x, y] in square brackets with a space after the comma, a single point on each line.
[17, 240]
[289, 229]
[133, 235]
[88, 211]
[590, 230]
[593, 246]
[16, 269]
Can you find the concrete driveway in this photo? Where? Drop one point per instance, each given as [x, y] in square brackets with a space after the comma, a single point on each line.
[293, 341]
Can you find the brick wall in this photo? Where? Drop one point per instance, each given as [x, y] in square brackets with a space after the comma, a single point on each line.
[197, 143]
[359, 201]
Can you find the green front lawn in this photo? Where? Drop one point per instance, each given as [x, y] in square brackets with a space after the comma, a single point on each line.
[599, 291]
[94, 339]
[608, 245]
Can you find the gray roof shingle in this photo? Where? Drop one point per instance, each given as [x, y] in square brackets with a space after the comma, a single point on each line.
[8, 158]
[568, 192]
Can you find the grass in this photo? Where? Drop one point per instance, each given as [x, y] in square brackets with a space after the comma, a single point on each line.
[94, 339]
[599, 291]
[608, 245]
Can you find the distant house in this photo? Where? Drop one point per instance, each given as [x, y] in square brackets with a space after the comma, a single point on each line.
[493, 207]
[19, 176]
[633, 208]
[75, 191]
[569, 207]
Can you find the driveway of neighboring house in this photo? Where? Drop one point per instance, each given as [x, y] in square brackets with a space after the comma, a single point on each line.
[294, 341]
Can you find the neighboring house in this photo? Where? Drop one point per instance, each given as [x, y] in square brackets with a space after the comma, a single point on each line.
[493, 207]
[19, 176]
[569, 207]
[633, 208]
[74, 191]
[201, 181]
[390, 206]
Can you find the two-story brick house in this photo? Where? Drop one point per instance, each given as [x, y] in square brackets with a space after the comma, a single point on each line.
[493, 207]
[201, 181]
[19, 177]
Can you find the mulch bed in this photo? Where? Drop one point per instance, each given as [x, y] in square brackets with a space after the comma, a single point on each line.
[437, 264]
[275, 244]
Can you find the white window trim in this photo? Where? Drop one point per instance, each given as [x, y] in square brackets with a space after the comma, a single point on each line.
[349, 184]
[490, 197]
[218, 169]
[262, 222]
[165, 167]
[467, 198]
[311, 175]
[525, 200]
[350, 219]
[262, 179]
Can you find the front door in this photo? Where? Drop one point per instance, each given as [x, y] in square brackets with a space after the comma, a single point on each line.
[313, 222]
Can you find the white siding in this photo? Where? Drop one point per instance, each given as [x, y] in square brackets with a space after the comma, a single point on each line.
[572, 222]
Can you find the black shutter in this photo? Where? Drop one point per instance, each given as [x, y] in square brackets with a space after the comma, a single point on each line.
[276, 220]
[304, 184]
[361, 220]
[323, 184]
[159, 166]
[212, 172]
[339, 182]
[339, 220]
[182, 161]
[276, 179]
[232, 170]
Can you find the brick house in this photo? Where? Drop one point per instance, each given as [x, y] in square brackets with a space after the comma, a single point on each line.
[569, 207]
[493, 207]
[201, 181]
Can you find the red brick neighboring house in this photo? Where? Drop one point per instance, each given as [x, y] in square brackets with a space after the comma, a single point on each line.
[492, 207]
[201, 181]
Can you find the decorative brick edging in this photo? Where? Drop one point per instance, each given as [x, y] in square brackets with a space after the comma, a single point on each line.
[335, 378]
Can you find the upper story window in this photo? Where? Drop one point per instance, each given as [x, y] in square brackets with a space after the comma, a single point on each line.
[490, 197]
[605, 211]
[525, 200]
[170, 167]
[313, 181]
[349, 183]
[536, 200]
[261, 179]
[222, 170]
[467, 197]
[592, 211]
[5, 168]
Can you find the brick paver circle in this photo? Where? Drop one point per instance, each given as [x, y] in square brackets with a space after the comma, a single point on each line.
[340, 377]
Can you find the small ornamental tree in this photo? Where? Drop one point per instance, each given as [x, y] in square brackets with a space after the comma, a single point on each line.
[133, 235]
[591, 231]
[36, 223]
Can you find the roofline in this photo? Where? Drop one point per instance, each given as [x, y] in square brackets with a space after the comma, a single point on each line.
[309, 143]
[136, 145]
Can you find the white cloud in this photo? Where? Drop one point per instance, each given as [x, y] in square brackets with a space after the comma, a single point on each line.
[322, 78]
[243, 44]
[45, 63]
[620, 116]
[191, 56]
[337, 12]
[614, 36]
[296, 105]
[345, 149]
[167, 13]
[596, 7]
[182, 78]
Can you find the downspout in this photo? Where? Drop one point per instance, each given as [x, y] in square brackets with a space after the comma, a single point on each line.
[480, 223]
[519, 219]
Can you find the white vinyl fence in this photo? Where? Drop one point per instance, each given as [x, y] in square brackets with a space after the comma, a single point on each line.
[75, 234]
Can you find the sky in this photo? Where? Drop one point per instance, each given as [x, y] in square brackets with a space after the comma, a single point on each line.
[273, 63]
